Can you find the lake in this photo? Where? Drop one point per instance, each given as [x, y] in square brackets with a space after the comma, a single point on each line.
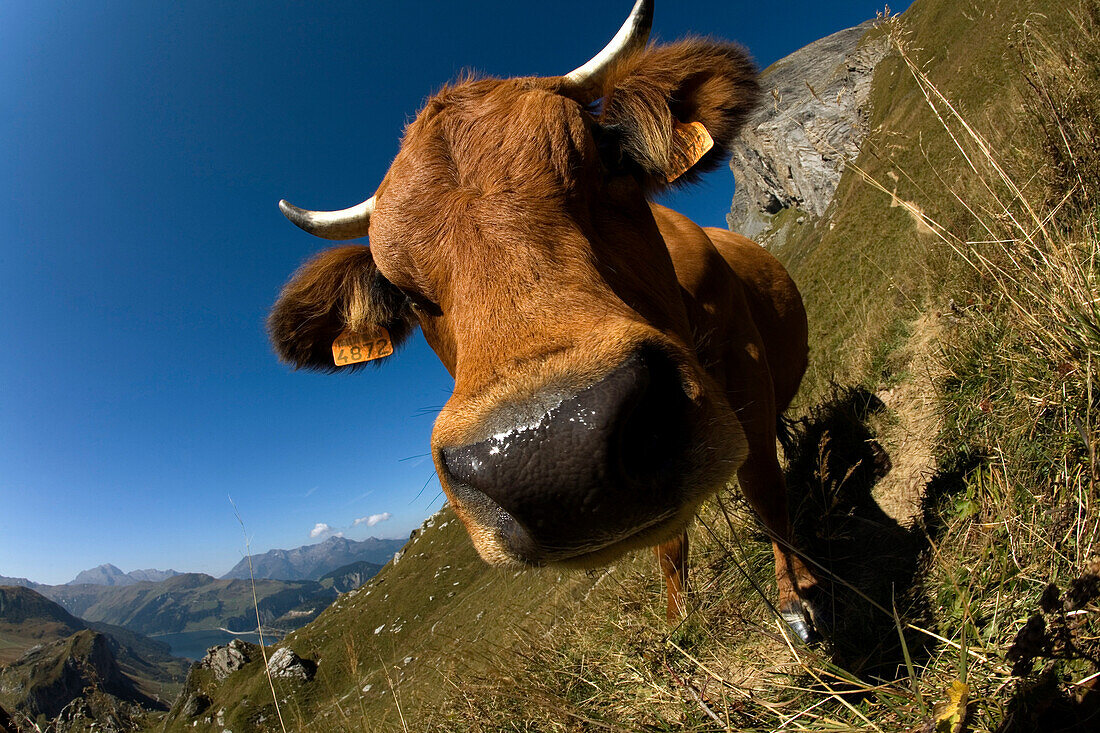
[193, 644]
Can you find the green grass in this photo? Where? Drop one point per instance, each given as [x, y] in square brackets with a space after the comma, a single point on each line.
[415, 634]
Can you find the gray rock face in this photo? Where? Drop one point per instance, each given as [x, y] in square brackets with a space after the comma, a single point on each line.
[226, 659]
[792, 152]
[286, 664]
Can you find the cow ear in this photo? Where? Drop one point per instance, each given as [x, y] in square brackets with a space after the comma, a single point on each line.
[658, 104]
[339, 290]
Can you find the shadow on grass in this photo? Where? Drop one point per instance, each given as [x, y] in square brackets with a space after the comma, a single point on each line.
[868, 561]
[1044, 704]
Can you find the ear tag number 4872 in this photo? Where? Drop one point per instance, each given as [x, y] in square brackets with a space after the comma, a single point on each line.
[353, 348]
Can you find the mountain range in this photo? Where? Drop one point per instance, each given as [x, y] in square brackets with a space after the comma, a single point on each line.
[311, 562]
[108, 574]
[308, 562]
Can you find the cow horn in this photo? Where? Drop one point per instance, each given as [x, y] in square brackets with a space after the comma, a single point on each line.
[586, 82]
[346, 224]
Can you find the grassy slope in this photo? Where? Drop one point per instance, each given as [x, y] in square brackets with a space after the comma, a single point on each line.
[414, 633]
[963, 587]
[866, 268]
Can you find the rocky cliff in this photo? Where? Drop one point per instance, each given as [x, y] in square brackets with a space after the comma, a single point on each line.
[350, 577]
[50, 676]
[792, 152]
[35, 630]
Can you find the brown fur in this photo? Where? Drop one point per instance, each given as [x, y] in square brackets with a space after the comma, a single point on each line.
[516, 220]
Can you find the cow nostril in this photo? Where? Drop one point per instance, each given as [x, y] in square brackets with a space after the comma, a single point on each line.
[511, 534]
[653, 430]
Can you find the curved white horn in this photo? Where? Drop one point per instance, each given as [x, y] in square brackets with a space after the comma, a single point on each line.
[588, 80]
[346, 224]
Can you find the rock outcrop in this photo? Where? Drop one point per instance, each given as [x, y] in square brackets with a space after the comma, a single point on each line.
[286, 664]
[219, 663]
[792, 152]
[226, 659]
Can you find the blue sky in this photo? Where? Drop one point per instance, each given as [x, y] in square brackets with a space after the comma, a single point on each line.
[143, 147]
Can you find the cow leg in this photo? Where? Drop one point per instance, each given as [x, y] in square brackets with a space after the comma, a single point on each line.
[762, 482]
[672, 556]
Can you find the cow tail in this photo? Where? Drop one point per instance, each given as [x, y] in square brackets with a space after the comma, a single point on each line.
[785, 431]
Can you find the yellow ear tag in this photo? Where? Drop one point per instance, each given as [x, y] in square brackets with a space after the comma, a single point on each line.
[690, 142]
[352, 348]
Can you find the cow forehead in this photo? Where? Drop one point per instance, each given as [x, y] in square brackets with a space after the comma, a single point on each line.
[493, 136]
[485, 161]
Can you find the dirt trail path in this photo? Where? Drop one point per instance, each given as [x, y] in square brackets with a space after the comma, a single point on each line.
[908, 434]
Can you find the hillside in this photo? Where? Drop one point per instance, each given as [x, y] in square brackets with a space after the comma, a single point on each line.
[190, 602]
[869, 265]
[310, 562]
[27, 618]
[351, 576]
[48, 678]
[418, 627]
[942, 464]
[37, 635]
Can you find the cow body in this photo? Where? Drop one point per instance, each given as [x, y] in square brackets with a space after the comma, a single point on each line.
[750, 331]
[614, 363]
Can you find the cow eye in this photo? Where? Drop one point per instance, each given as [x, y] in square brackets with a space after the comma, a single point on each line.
[422, 305]
[609, 144]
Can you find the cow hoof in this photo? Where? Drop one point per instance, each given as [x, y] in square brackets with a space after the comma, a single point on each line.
[821, 613]
[800, 619]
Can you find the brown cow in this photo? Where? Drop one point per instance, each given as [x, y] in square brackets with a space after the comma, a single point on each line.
[614, 363]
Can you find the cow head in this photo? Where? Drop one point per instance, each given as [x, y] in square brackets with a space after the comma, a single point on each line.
[513, 228]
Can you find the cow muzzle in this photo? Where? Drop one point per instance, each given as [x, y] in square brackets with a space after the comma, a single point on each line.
[600, 466]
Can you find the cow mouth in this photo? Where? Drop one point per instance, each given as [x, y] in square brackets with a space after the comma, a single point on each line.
[503, 540]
